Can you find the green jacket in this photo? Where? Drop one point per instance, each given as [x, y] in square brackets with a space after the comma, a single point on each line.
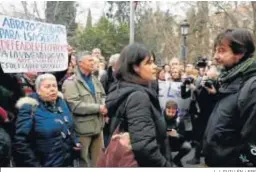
[84, 105]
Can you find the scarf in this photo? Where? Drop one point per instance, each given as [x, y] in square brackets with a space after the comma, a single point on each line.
[231, 74]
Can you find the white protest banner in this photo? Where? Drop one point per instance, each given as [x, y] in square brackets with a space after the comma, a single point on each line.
[163, 92]
[31, 46]
[169, 90]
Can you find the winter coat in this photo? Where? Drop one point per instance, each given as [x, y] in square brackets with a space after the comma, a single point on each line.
[232, 124]
[107, 79]
[44, 133]
[206, 103]
[10, 91]
[84, 105]
[141, 117]
[201, 106]
[154, 86]
[176, 123]
[5, 147]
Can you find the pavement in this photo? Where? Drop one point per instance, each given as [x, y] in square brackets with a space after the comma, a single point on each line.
[190, 156]
[184, 160]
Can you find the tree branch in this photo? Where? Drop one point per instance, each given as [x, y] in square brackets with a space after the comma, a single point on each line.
[232, 18]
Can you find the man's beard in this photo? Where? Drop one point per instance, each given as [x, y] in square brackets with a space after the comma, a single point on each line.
[170, 115]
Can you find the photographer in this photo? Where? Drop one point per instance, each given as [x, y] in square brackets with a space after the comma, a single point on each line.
[187, 87]
[202, 104]
[201, 65]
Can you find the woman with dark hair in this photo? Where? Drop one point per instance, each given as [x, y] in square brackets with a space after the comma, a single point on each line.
[134, 107]
[154, 84]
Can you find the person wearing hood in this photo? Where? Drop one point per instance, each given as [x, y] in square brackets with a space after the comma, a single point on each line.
[176, 132]
[133, 106]
[45, 135]
[230, 133]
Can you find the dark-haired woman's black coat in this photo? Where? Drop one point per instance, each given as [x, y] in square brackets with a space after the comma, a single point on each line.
[143, 121]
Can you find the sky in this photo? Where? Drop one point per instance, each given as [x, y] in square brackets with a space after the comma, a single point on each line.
[97, 8]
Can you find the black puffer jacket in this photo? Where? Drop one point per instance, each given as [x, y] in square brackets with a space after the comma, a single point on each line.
[230, 129]
[143, 120]
[201, 106]
[206, 103]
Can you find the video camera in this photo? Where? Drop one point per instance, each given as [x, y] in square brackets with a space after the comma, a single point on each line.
[201, 62]
[188, 80]
[209, 83]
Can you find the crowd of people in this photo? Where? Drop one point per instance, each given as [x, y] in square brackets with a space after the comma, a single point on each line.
[67, 118]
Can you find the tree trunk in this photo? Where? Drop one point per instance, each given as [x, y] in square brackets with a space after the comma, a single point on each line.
[24, 5]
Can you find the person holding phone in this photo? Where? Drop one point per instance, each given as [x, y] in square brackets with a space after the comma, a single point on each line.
[175, 132]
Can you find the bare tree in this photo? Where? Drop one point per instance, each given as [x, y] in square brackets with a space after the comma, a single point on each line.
[253, 3]
[36, 11]
[25, 8]
[230, 15]
[3, 9]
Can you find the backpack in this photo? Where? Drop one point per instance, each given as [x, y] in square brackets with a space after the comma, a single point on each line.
[248, 154]
[245, 87]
